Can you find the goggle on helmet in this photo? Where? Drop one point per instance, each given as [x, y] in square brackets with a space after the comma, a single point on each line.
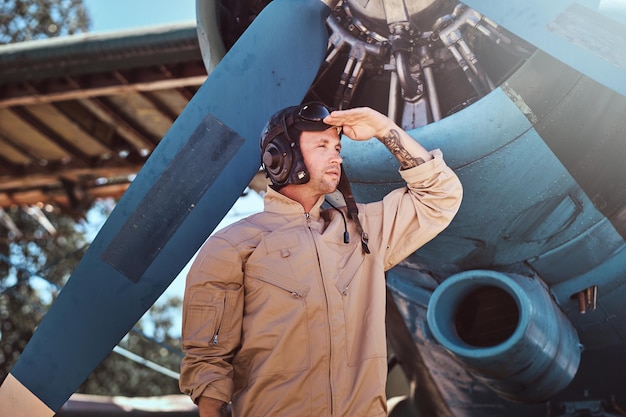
[281, 156]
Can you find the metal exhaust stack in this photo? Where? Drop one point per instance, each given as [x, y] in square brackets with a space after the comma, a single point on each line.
[507, 330]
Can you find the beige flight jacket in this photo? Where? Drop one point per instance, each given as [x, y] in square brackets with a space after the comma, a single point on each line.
[285, 319]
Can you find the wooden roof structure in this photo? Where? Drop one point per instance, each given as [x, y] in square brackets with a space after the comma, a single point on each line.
[79, 115]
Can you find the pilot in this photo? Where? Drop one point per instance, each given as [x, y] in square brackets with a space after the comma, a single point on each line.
[284, 311]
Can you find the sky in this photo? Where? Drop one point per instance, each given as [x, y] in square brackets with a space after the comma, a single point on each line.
[114, 15]
[109, 15]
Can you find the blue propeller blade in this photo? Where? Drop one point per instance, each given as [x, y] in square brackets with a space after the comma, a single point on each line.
[189, 183]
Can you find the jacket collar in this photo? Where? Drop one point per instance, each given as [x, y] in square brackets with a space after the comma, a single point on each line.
[275, 202]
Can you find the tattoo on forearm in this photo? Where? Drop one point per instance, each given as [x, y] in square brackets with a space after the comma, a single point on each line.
[392, 142]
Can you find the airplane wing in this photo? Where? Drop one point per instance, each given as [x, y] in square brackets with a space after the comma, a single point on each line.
[191, 180]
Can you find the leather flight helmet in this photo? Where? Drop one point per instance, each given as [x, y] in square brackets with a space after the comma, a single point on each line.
[280, 142]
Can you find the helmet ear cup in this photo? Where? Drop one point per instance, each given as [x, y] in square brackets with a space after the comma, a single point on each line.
[299, 174]
[278, 160]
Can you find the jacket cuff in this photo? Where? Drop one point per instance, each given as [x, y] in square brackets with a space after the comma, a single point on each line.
[212, 392]
[425, 170]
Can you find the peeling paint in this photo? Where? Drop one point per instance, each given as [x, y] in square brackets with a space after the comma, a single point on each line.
[520, 103]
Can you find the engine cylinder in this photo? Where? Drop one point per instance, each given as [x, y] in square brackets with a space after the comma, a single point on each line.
[507, 331]
[378, 16]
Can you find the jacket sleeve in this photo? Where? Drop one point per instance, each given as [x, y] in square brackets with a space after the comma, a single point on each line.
[409, 217]
[212, 320]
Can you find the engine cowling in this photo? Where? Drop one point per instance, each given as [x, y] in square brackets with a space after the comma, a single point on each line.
[507, 331]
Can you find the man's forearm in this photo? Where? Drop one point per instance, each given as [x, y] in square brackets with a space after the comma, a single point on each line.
[392, 140]
[210, 407]
[363, 123]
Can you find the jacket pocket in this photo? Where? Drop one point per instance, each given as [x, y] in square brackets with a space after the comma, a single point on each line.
[207, 317]
[275, 325]
[363, 298]
[349, 273]
[279, 281]
[281, 242]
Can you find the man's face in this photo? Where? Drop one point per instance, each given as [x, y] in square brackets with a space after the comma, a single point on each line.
[320, 151]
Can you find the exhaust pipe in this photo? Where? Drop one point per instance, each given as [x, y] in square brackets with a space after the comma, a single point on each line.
[507, 331]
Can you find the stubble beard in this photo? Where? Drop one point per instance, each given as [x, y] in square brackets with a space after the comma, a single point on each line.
[321, 183]
[327, 186]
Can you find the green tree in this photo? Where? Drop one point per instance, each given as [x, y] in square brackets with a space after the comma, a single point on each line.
[117, 375]
[35, 264]
[24, 20]
[42, 246]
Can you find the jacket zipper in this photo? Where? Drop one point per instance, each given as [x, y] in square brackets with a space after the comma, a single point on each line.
[330, 342]
[343, 284]
[219, 325]
[300, 292]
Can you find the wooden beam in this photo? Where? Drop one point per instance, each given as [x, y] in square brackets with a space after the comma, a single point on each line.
[99, 108]
[21, 150]
[72, 119]
[161, 108]
[88, 92]
[32, 180]
[58, 196]
[51, 135]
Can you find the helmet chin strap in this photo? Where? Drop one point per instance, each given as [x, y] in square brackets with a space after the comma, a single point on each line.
[345, 189]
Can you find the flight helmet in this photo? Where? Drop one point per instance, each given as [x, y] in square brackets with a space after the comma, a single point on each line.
[280, 142]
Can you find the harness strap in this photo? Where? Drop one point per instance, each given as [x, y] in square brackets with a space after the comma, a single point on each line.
[353, 211]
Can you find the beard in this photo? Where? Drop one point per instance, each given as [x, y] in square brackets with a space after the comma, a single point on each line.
[325, 185]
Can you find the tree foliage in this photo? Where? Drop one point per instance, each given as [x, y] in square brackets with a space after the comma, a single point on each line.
[33, 268]
[37, 258]
[117, 375]
[24, 20]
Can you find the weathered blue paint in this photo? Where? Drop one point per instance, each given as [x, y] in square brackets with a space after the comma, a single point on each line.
[540, 160]
[540, 356]
[270, 67]
[575, 32]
